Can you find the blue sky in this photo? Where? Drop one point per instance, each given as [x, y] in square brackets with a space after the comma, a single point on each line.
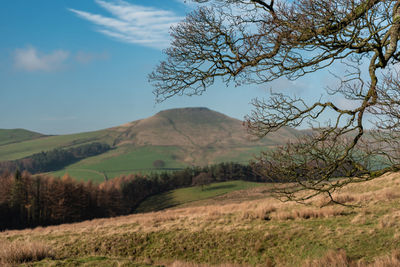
[70, 65]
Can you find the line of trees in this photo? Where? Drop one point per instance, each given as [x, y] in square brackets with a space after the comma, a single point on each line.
[36, 200]
[55, 159]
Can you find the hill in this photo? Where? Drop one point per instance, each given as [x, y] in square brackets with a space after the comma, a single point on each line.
[9, 136]
[186, 195]
[178, 137]
[192, 127]
[241, 228]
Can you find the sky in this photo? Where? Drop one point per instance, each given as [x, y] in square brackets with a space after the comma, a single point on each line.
[70, 66]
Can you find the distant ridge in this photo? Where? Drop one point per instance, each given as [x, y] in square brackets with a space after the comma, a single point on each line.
[183, 127]
[197, 114]
[8, 136]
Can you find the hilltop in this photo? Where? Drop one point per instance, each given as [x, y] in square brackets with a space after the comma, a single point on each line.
[178, 137]
[192, 127]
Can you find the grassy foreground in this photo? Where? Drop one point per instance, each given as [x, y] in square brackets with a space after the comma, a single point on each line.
[242, 228]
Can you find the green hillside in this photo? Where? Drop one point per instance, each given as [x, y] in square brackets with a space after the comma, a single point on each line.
[190, 194]
[9, 136]
[131, 159]
[30, 147]
[124, 160]
[179, 137]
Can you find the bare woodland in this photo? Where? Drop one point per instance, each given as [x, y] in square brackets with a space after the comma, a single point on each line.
[258, 41]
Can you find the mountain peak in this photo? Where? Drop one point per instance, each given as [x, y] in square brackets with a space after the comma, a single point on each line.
[187, 109]
[198, 115]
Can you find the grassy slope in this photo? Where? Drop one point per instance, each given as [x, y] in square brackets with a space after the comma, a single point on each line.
[123, 160]
[130, 159]
[227, 231]
[26, 148]
[185, 195]
[9, 136]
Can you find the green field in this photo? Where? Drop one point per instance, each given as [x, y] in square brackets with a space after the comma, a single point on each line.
[27, 148]
[9, 136]
[81, 174]
[124, 160]
[190, 194]
[130, 159]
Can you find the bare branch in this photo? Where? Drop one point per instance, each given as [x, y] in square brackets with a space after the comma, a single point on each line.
[257, 41]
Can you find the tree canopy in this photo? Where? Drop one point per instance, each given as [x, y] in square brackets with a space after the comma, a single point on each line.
[258, 41]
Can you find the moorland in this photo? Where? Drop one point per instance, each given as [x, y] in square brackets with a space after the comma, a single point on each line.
[240, 228]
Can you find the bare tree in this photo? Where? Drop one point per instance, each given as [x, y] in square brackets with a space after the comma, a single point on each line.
[258, 41]
[203, 179]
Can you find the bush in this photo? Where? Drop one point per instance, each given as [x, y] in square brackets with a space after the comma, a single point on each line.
[159, 163]
[202, 180]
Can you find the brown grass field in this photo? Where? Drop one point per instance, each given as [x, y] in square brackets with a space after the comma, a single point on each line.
[243, 228]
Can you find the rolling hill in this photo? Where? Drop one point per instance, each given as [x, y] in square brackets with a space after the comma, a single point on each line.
[178, 137]
[10, 136]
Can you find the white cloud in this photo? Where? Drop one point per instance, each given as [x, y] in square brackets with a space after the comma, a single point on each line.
[147, 26]
[29, 59]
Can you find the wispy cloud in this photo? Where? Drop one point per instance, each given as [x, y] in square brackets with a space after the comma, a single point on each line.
[146, 26]
[29, 59]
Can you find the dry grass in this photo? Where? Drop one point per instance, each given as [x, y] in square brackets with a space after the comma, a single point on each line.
[189, 264]
[339, 258]
[345, 198]
[310, 213]
[331, 259]
[262, 211]
[259, 209]
[265, 222]
[384, 190]
[12, 253]
[392, 260]
[390, 220]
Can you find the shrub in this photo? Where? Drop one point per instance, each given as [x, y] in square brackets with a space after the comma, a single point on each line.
[159, 163]
[201, 180]
[19, 252]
